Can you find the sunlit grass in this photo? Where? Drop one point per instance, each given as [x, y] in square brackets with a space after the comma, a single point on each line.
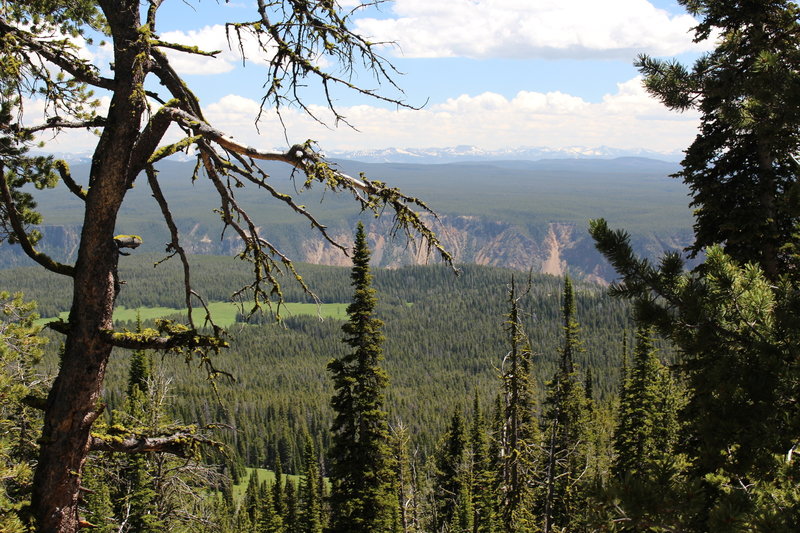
[224, 313]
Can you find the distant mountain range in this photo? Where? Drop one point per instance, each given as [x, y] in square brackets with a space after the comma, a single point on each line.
[456, 154]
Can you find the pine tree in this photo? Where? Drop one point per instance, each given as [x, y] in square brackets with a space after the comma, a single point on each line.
[99, 508]
[484, 494]
[564, 426]
[20, 350]
[734, 317]
[138, 471]
[648, 469]
[277, 492]
[361, 495]
[252, 499]
[310, 499]
[290, 522]
[451, 483]
[741, 168]
[519, 431]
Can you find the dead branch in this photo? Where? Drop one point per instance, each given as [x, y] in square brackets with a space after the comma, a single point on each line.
[22, 236]
[180, 444]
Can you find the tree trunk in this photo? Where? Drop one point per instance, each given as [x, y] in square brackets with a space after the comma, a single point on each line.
[74, 401]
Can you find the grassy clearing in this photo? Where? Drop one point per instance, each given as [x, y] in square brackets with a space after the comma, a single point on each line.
[224, 313]
[263, 475]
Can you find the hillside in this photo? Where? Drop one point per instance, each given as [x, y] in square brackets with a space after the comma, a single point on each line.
[515, 214]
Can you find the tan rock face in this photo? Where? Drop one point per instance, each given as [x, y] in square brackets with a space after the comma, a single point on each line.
[469, 240]
[554, 248]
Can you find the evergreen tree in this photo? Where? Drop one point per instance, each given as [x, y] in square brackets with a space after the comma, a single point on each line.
[741, 168]
[99, 509]
[361, 495]
[290, 522]
[648, 469]
[734, 318]
[310, 499]
[20, 350]
[564, 426]
[252, 499]
[269, 520]
[277, 496]
[519, 431]
[138, 471]
[451, 483]
[484, 494]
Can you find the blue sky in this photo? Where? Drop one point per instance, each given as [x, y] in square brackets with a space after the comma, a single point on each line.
[490, 73]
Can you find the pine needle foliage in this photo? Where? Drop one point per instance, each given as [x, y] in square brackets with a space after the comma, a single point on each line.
[564, 426]
[362, 499]
[519, 430]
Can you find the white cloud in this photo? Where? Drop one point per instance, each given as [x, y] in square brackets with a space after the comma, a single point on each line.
[531, 29]
[209, 39]
[628, 118]
[232, 46]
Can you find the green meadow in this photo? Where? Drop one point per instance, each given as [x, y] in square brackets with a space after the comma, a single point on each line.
[224, 313]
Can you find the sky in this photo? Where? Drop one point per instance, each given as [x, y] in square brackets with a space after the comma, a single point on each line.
[495, 74]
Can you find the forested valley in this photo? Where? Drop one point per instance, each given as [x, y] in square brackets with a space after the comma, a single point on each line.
[447, 356]
[418, 400]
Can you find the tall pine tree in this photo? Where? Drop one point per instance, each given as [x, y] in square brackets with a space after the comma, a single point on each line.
[484, 494]
[648, 469]
[310, 499]
[735, 317]
[564, 426]
[361, 494]
[451, 489]
[519, 432]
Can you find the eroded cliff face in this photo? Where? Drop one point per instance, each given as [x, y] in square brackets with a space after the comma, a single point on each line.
[554, 248]
[560, 247]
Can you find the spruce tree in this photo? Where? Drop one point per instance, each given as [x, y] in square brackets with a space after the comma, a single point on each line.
[276, 493]
[648, 469]
[734, 317]
[361, 493]
[137, 470]
[310, 499]
[290, 522]
[741, 168]
[484, 494]
[519, 431]
[564, 426]
[451, 483]
[252, 499]
[20, 351]
[99, 508]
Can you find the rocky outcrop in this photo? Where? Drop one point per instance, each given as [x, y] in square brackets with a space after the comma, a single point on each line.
[560, 247]
[554, 248]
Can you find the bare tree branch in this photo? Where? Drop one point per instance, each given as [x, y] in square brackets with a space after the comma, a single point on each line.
[56, 123]
[22, 236]
[180, 444]
[66, 177]
[175, 247]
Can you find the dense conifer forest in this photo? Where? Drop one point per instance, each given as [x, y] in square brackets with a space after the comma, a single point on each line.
[492, 401]
[444, 334]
